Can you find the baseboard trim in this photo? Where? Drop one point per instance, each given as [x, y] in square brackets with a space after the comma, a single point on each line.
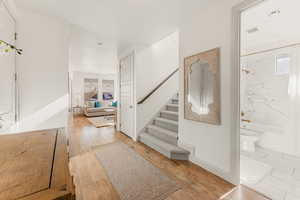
[187, 147]
[197, 161]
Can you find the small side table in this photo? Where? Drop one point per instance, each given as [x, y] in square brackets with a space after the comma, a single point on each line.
[77, 110]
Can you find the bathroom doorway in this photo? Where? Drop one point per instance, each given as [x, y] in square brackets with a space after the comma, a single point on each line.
[269, 97]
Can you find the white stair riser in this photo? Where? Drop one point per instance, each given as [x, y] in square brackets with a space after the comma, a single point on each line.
[162, 136]
[169, 116]
[166, 125]
[172, 108]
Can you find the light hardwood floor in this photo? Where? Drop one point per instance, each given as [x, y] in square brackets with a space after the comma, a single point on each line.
[92, 184]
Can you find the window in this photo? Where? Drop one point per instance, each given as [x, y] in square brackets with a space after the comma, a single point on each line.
[282, 64]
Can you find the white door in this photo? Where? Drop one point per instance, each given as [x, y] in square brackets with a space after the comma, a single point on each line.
[126, 95]
[7, 69]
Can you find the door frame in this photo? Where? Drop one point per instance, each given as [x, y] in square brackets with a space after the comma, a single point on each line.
[10, 8]
[134, 100]
[235, 57]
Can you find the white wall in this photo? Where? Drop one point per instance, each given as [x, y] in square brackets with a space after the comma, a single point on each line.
[147, 110]
[273, 30]
[7, 69]
[274, 114]
[42, 70]
[78, 85]
[267, 99]
[90, 60]
[153, 64]
[206, 24]
[87, 55]
[11, 5]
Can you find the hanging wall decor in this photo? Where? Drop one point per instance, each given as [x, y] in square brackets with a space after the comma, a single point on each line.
[91, 89]
[202, 96]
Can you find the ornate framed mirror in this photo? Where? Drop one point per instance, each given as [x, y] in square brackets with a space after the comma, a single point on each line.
[202, 95]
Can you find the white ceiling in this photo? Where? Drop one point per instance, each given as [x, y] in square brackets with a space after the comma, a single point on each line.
[127, 22]
[273, 31]
[87, 56]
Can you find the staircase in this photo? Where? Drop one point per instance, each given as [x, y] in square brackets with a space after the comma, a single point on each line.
[162, 133]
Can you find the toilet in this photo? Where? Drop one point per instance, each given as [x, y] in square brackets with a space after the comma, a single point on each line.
[248, 139]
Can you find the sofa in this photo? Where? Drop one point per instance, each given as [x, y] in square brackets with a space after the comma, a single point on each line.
[97, 108]
[100, 111]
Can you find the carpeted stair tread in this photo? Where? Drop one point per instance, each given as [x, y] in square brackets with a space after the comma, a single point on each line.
[153, 142]
[169, 112]
[173, 105]
[162, 134]
[175, 101]
[162, 130]
[166, 120]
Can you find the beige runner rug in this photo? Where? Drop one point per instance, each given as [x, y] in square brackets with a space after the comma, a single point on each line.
[99, 122]
[134, 177]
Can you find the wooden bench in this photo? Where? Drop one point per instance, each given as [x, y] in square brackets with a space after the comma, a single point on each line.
[34, 166]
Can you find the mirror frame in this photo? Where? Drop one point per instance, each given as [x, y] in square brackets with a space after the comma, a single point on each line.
[213, 58]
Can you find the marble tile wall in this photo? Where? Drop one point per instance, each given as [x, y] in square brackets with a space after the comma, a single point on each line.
[265, 99]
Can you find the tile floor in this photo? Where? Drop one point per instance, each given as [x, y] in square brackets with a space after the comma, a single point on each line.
[283, 181]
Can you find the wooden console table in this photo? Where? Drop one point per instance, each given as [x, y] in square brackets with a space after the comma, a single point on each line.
[34, 166]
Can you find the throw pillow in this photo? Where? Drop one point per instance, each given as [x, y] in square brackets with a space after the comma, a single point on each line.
[97, 104]
[115, 104]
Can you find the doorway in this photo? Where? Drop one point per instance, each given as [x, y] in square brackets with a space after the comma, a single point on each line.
[267, 66]
[127, 100]
[8, 76]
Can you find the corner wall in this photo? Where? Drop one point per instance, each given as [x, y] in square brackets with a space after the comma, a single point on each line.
[207, 24]
[153, 64]
[42, 71]
[78, 85]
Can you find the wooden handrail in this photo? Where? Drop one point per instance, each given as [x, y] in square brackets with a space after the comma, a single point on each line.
[157, 87]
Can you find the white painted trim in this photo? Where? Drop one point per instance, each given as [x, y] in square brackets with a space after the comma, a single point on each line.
[11, 7]
[208, 167]
[216, 171]
[134, 137]
[119, 91]
[12, 12]
[235, 51]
